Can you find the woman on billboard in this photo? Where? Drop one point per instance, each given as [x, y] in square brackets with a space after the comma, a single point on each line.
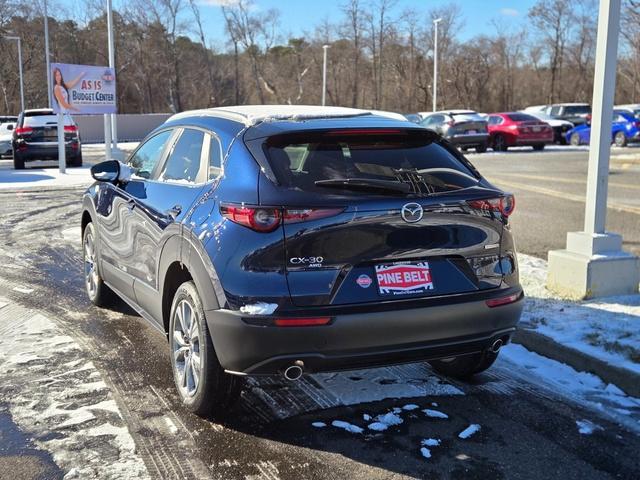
[61, 90]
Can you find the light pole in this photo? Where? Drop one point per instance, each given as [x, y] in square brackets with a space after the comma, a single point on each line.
[435, 62]
[594, 264]
[46, 52]
[324, 75]
[17, 39]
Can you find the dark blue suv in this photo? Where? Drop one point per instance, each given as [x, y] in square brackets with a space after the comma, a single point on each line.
[289, 239]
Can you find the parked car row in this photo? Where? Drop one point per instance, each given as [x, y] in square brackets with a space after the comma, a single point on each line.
[535, 126]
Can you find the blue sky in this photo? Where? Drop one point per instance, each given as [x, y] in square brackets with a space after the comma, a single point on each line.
[299, 16]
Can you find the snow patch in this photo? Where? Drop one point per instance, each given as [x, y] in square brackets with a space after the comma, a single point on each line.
[585, 427]
[434, 413]
[426, 453]
[431, 442]
[347, 426]
[469, 431]
[410, 406]
[319, 424]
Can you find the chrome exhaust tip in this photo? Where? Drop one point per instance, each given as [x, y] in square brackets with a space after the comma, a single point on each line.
[496, 346]
[294, 372]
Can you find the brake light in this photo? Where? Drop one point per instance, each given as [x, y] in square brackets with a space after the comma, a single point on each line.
[367, 131]
[302, 322]
[637, 123]
[267, 219]
[496, 302]
[505, 205]
[70, 129]
[24, 130]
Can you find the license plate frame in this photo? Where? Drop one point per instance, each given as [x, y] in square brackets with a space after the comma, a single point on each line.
[404, 279]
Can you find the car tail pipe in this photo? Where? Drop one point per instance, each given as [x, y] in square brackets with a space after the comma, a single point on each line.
[295, 371]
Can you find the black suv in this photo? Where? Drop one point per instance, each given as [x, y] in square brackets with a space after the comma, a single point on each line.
[463, 128]
[286, 240]
[35, 137]
[576, 113]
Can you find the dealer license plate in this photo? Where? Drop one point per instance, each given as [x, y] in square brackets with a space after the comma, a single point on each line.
[404, 279]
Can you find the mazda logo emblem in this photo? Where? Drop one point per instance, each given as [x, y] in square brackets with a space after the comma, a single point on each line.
[412, 212]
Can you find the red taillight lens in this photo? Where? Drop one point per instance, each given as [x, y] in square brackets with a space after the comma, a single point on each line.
[23, 130]
[267, 219]
[505, 205]
[301, 322]
[496, 302]
[70, 129]
[256, 218]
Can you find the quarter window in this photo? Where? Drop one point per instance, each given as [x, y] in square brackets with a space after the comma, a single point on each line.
[183, 163]
[215, 158]
[147, 156]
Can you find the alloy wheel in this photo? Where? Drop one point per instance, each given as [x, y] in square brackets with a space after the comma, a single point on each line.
[90, 269]
[186, 348]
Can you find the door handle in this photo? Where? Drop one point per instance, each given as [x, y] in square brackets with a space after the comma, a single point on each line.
[174, 211]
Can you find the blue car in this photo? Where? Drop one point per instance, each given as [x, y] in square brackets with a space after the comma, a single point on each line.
[624, 129]
[282, 240]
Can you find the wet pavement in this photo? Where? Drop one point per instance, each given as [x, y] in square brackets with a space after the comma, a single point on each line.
[526, 429]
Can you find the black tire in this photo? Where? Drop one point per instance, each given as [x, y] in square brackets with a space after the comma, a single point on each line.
[465, 366]
[620, 139]
[538, 147]
[574, 139]
[499, 143]
[99, 294]
[76, 161]
[18, 161]
[215, 391]
[481, 148]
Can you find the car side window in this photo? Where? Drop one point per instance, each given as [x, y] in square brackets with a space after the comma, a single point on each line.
[555, 110]
[183, 162]
[215, 158]
[148, 155]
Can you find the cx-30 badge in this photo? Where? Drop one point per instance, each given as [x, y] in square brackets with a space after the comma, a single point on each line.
[412, 212]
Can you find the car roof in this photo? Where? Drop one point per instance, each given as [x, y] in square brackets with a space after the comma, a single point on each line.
[459, 111]
[39, 110]
[267, 120]
[575, 104]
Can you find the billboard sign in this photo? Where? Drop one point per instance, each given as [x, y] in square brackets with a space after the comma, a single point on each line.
[83, 89]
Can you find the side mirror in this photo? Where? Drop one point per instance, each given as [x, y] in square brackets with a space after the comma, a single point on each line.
[107, 171]
[10, 127]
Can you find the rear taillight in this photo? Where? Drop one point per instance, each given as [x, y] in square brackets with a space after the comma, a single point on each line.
[24, 130]
[70, 129]
[267, 219]
[637, 123]
[302, 322]
[505, 205]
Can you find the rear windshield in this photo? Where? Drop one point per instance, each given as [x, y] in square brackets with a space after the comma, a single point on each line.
[468, 117]
[45, 120]
[522, 117]
[417, 159]
[577, 109]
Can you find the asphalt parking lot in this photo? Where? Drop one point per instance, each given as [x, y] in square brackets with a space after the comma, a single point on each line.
[526, 424]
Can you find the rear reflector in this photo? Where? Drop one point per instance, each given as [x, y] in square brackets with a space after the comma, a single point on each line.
[301, 322]
[496, 302]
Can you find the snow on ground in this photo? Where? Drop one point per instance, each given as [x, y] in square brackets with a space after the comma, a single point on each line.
[584, 388]
[434, 413]
[469, 431]
[586, 427]
[57, 397]
[605, 328]
[347, 426]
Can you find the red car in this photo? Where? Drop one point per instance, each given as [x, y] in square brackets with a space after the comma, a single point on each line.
[515, 129]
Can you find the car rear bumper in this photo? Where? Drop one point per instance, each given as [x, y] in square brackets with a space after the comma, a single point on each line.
[361, 340]
[48, 152]
[468, 140]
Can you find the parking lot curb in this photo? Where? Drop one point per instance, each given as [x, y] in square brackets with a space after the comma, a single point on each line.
[623, 378]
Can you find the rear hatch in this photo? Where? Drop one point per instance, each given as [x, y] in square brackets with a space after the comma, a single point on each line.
[43, 128]
[380, 215]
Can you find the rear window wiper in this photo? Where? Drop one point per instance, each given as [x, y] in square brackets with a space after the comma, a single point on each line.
[368, 184]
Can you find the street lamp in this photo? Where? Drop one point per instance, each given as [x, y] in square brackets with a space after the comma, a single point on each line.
[46, 52]
[324, 74]
[435, 62]
[17, 39]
